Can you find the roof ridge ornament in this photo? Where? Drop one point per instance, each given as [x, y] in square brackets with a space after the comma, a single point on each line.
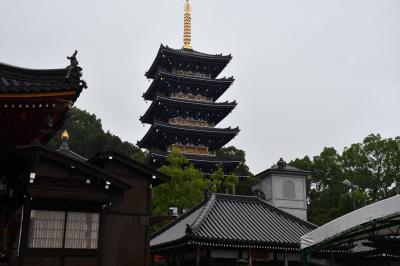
[281, 163]
[187, 34]
[65, 135]
[64, 141]
[73, 60]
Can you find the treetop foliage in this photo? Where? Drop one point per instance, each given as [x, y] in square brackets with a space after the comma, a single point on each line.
[372, 166]
[88, 138]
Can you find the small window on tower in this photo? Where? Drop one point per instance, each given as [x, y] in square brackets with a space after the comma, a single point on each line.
[288, 190]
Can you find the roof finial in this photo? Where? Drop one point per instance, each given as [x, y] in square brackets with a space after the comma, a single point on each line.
[65, 135]
[187, 35]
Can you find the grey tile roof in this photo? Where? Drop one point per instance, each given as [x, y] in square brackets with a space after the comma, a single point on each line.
[64, 149]
[287, 169]
[236, 220]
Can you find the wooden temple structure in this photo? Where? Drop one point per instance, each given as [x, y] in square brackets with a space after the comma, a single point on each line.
[56, 207]
[226, 230]
[184, 110]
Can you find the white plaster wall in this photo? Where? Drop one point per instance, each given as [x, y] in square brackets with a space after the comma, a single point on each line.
[299, 186]
[296, 206]
[272, 187]
[266, 188]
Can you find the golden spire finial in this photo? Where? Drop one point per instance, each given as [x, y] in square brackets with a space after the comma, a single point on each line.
[65, 135]
[187, 35]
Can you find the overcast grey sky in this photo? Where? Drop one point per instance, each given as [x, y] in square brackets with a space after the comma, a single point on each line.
[309, 73]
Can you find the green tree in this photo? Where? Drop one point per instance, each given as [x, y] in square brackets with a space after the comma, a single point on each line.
[245, 178]
[373, 167]
[87, 137]
[325, 186]
[185, 190]
[223, 183]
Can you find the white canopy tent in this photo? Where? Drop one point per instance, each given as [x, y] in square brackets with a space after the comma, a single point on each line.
[376, 220]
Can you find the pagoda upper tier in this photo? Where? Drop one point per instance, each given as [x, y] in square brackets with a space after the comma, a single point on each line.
[163, 136]
[171, 83]
[188, 61]
[170, 110]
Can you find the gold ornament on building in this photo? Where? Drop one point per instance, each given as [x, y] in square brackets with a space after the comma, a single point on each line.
[187, 34]
[65, 135]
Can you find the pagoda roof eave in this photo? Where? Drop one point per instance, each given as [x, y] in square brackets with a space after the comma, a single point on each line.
[202, 161]
[207, 58]
[195, 157]
[196, 105]
[152, 90]
[207, 130]
[158, 128]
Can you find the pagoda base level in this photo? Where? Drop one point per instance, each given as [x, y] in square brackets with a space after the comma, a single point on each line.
[207, 164]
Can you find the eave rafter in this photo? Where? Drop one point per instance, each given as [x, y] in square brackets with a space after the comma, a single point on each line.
[164, 108]
[167, 83]
[168, 57]
[161, 136]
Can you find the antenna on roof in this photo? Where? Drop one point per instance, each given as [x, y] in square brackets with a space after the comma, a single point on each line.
[187, 34]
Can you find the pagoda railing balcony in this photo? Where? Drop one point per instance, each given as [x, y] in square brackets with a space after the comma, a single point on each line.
[191, 74]
[192, 97]
[189, 122]
[191, 149]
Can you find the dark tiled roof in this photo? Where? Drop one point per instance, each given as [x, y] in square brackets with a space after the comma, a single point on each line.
[219, 86]
[215, 138]
[64, 149]
[157, 108]
[22, 80]
[207, 163]
[191, 52]
[215, 59]
[287, 169]
[107, 155]
[234, 220]
[195, 157]
[62, 157]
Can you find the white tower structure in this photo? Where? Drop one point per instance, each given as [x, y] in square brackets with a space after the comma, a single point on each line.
[284, 187]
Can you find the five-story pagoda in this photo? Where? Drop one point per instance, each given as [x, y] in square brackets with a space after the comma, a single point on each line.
[184, 111]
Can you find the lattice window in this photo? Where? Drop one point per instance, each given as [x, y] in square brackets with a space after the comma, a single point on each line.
[289, 190]
[46, 229]
[82, 230]
[57, 229]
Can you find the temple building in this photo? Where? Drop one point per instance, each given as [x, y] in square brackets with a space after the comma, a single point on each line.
[57, 207]
[230, 230]
[34, 102]
[184, 110]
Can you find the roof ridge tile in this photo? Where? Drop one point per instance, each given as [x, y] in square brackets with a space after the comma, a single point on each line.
[199, 220]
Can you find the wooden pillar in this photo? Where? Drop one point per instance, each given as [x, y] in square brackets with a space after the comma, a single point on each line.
[197, 256]
[24, 231]
[208, 256]
[286, 263]
[250, 257]
[178, 259]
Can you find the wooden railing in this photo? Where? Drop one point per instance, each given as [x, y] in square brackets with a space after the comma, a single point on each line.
[188, 122]
[188, 149]
[189, 96]
[191, 74]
